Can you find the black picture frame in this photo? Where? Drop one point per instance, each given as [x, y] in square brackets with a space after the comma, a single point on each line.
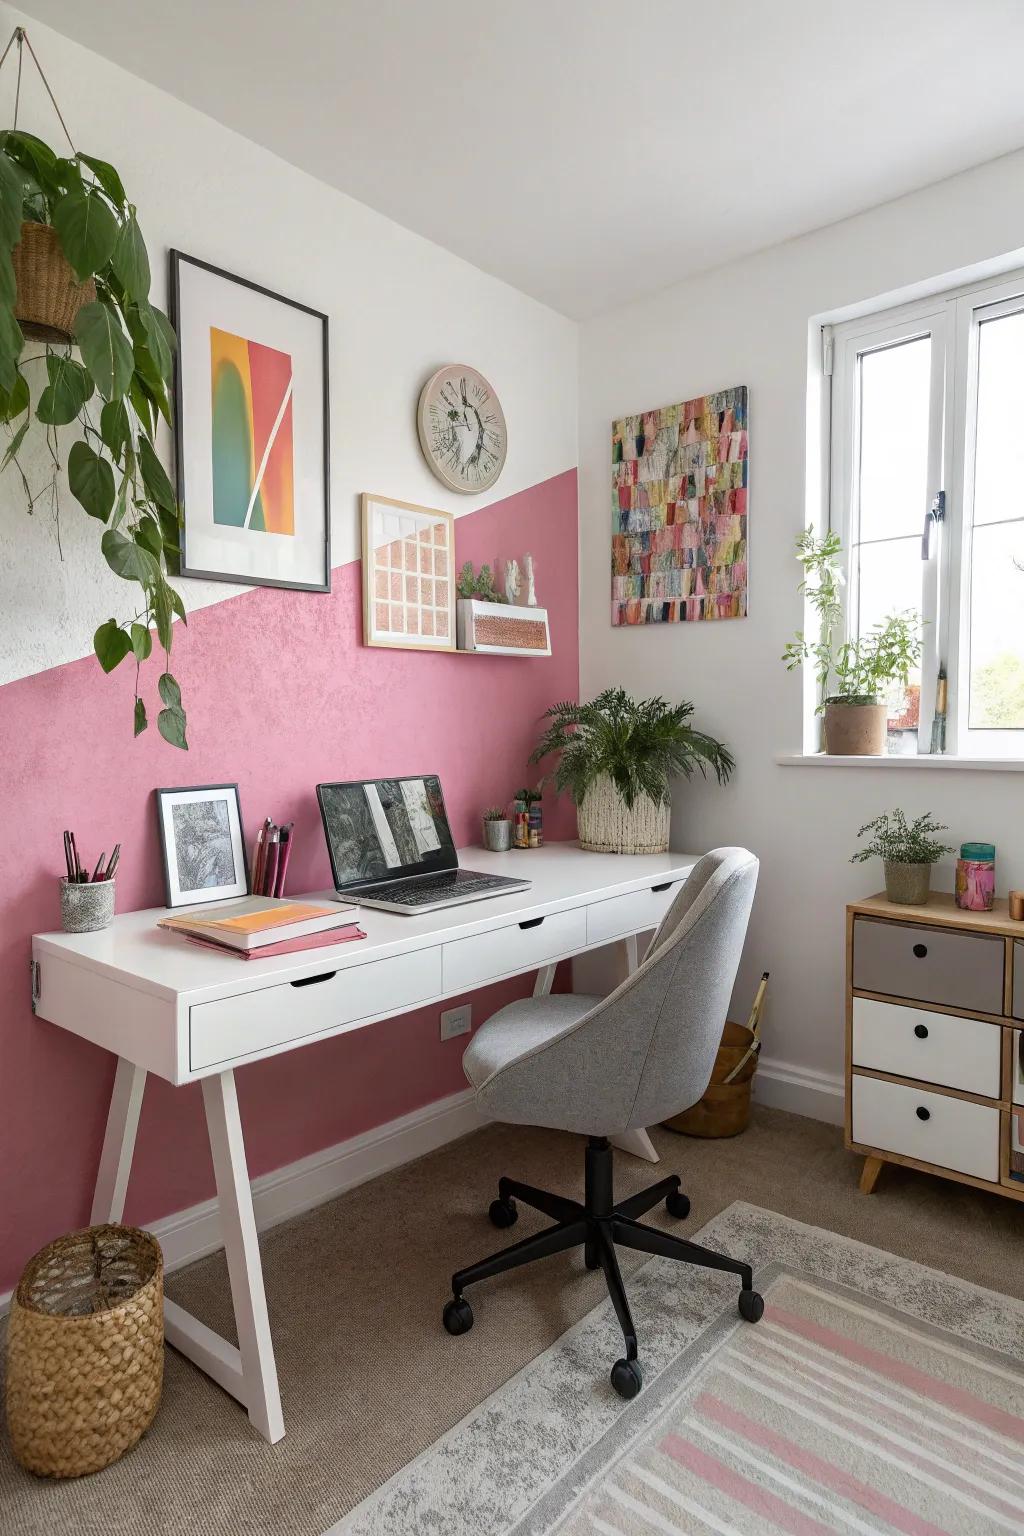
[177, 259]
[205, 894]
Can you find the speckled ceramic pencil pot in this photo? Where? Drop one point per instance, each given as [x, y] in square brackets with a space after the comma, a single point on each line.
[84, 908]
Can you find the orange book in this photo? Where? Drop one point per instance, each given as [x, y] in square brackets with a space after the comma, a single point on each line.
[257, 921]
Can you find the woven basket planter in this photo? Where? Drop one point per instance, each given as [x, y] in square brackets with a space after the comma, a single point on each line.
[607, 825]
[49, 295]
[85, 1350]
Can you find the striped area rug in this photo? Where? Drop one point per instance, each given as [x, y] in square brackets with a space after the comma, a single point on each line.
[875, 1398]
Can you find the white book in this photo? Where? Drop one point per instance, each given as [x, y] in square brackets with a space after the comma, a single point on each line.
[257, 921]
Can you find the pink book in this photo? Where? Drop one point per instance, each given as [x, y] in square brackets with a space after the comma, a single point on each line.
[286, 946]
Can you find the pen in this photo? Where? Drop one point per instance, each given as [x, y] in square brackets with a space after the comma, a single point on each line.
[99, 865]
[67, 855]
[112, 866]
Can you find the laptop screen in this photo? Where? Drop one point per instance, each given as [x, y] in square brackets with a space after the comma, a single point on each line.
[383, 829]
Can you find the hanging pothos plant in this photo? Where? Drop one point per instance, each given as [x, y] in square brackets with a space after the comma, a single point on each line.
[110, 384]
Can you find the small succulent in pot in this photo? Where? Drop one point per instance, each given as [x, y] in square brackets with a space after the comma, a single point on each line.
[497, 829]
[907, 850]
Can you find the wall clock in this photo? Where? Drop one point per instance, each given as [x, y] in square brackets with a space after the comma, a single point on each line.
[462, 429]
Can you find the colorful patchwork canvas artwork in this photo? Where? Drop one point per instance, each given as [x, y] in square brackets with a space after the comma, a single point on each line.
[679, 512]
[253, 473]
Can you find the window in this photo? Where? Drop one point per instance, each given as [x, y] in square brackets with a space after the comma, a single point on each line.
[927, 493]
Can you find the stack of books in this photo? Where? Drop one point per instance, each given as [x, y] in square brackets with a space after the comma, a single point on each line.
[258, 926]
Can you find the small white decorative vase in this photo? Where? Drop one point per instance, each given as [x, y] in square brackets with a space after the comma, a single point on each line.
[608, 825]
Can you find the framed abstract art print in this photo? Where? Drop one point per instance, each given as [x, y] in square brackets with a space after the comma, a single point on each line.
[408, 575]
[251, 431]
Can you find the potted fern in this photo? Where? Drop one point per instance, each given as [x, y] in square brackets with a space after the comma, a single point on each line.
[617, 757]
[907, 851]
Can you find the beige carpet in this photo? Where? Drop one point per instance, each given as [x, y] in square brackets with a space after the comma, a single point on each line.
[368, 1376]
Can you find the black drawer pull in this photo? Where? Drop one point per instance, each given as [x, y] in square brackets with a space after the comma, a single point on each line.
[920, 950]
[666, 887]
[311, 981]
[921, 1031]
[922, 1113]
[531, 922]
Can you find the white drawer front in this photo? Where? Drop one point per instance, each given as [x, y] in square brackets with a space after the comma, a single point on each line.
[256, 1021]
[955, 1133]
[935, 1047]
[507, 951]
[633, 913]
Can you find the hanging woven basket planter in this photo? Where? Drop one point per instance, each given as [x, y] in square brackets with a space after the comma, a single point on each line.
[49, 295]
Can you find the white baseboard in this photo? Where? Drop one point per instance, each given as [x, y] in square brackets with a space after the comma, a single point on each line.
[801, 1090]
[193, 1233]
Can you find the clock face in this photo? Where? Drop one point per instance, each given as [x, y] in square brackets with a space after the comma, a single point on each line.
[462, 429]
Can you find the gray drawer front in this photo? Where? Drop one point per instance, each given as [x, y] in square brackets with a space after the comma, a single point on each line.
[962, 970]
[1018, 979]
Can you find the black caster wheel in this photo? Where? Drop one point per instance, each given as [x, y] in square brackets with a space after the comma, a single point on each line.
[626, 1378]
[503, 1213]
[678, 1205]
[591, 1257]
[458, 1315]
[751, 1306]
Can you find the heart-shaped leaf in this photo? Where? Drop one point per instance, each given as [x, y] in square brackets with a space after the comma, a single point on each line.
[142, 642]
[16, 400]
[111, 645]
[163, 613]
[106, 350]
[12, 191]
[154, 477]
[69, 388]
[130, 260]
[87, 230]
[35, 157]
[140, 717]
[171, 725]
[128, 559]
[107, 177]
[169, 691]
[91, 480]
[115, 428]
[147, 533]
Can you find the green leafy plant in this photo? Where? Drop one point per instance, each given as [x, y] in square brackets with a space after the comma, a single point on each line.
[528, 796]
[479, 586]
[851, 671]
[111, 395]
[495, 813]
[641, 746]
[894, 840]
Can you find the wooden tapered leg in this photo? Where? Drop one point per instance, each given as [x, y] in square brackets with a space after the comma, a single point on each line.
[869, 1174]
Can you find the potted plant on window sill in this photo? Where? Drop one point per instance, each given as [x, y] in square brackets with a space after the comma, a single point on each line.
[907, 851]
[855, 677]
[617, 757]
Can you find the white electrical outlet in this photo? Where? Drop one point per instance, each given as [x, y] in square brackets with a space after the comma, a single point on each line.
[456, 1021]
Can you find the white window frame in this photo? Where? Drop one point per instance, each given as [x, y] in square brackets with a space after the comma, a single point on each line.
[952, 320]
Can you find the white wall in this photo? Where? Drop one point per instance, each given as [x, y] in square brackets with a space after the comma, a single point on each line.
[748, 324]
[399, 307]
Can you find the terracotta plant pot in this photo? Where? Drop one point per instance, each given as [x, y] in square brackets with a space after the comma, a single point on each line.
[855, 730]
[908, 884]
[49, 295]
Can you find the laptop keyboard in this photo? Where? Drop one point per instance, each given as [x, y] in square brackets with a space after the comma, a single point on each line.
[420, 892]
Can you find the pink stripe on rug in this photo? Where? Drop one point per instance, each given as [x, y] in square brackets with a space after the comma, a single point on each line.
[824, 1472]
[768, 1505]
[907, 1375]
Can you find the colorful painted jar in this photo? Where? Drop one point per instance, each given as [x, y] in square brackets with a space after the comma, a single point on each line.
[976, 877]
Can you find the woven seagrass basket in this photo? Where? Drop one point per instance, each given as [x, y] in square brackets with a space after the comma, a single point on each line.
[608, 825]
[85, 1350]
[49, 295]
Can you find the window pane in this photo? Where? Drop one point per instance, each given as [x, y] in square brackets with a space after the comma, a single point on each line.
[997, 634]
[999, 460]
[895, 385]
[889, 581]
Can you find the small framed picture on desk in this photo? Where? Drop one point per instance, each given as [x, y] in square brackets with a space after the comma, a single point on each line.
[203, 844]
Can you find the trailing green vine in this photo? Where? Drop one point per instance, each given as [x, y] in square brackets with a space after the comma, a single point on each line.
[113, 394]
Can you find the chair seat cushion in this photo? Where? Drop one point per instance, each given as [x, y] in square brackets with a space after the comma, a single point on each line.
[519, 1028]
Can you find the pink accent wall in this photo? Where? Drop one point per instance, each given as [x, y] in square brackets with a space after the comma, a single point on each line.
[280, 694]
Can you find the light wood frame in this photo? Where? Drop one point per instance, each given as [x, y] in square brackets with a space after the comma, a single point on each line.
[368, 500]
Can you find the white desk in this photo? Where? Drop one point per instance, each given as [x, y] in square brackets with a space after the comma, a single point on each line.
[188, 1014]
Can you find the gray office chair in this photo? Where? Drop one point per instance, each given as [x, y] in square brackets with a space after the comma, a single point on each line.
[601, 1066]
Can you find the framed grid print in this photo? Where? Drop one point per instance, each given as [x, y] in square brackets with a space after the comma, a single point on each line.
[408, 575]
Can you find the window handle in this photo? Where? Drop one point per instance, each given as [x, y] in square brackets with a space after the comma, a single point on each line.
[936, 514]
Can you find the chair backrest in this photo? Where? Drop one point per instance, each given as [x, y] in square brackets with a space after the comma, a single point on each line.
[646, 1051]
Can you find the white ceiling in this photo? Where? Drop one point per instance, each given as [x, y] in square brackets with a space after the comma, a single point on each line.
[586, 151]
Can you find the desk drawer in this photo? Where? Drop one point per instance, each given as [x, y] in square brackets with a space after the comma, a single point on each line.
[256, 1021]
[1018, 979]
[507, 951]
[935, 1047]
[951, 1133]
[633, 913]
[932, 965]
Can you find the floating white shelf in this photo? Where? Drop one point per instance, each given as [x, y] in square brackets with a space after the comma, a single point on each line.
[502, 629]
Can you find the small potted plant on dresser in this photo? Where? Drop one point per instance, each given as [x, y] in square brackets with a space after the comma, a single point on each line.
[907, 851]
[617, 757]
[497, 830]
[854, 677]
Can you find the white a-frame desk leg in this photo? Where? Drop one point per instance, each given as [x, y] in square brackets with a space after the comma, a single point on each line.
[118, 1143]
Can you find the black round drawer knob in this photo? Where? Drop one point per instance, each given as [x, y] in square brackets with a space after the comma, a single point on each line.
[921, 1031]
[922, 1113]
[920, 950]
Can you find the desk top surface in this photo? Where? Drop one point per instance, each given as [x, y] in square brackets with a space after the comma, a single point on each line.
[135, 952]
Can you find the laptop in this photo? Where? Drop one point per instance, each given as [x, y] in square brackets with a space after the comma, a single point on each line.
[391, 847]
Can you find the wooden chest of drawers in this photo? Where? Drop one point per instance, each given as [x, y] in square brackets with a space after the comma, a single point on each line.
[934, 1003]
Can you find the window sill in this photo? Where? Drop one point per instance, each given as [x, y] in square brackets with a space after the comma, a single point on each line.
[947, 762]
